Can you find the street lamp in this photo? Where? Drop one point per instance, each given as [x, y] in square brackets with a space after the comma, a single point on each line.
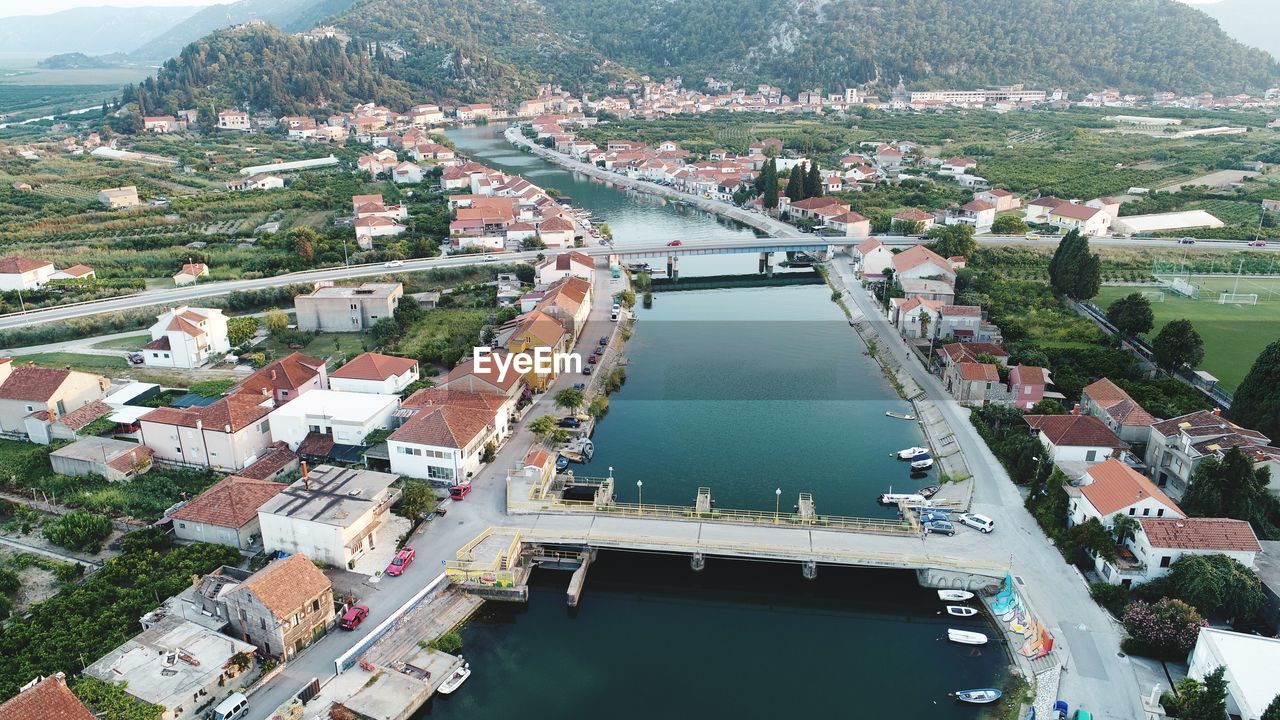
[777, 504]
[640, 489]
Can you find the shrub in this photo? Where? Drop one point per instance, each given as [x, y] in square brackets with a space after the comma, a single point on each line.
[78, 530]
[1115, 598]
[1166, 630]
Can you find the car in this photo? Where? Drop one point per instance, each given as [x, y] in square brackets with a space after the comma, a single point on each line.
[593, 359]
[458, 492]
[942, 527]
[1187, 241]
[135, 358]
[393, 263]
[490, 258]
[604, 340]
[978, 522]
[352, 618]
[614, 316]
[675, 243]
[1258, 243]
[570, 422]
[616, 307]
[1033, 236]
[579, 386]
[586, 369]
[401, 561]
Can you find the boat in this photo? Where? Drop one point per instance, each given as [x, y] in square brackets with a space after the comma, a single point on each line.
[896, 498]
[454, 681]
[562, 462]
[924, 464]
[900, 416]
[911, 452]
[930, 491]
[964, 637]
[955, 595]
[961, 611]
[977, 697]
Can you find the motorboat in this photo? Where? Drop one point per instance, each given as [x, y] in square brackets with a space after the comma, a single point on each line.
[562, 462]
[923, 464]
[896, 498]
[930, 491]
[454, 681]
[911, 452]
[964, 637]
[961, 611]
[955, 595]
[900, 416]
[978, 697]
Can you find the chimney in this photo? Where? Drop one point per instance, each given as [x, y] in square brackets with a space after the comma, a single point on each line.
[195, 579]
[1216, 412]
[1076, 410]
[306, 476]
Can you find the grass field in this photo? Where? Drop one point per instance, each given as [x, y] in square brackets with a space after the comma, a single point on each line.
[1234, 335]
[77, 361]
[131, 342]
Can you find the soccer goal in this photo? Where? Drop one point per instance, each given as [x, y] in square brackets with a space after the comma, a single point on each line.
[1181, 287]
[1228, 298]
[1154, 296]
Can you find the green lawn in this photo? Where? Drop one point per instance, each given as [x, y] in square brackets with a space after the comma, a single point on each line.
[1234, 335]
[334, 345]
[132, 342]
[88, 363]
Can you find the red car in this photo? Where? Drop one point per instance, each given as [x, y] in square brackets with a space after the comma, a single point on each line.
[352, 618]
[1258, 243]
[401, 561]
[457, 492]
[674, 243]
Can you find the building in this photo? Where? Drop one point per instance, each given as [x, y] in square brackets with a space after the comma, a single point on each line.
[1037, 211]
[937, 289]
[1090, 221]
[347, 309]
[28, 389]
[179, 665]
[962, 322]
[1176, 447]
[562, 265]
[225, 514]
[920, 262]
[1160, 542]
[115, 460]
[1126, 418]
[75, 272]
[285, 379]
[1250, 660]
[227, 434]
[978, 213]
[119, 198]
[261, 181]
[407, 173]
[1112, 488]
[283, 607]
[45, 427]
[1075, 438]
[163, 124]
[556, 232]
[331, 514]
[234, 120]
[186, 337]
[1003, 200]
[972, 383]
[444, 443]
[466, 378]
[343, 418]
[19, 273]
[1027, 384]
[1163, 222]
[915, 318]
[375, 373]
[501, 407]
[45, 699]
[873, 257]
[569, 301]
[190, 273]
[274, 463]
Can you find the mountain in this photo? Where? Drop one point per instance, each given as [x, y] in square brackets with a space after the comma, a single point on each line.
[1252, 22]
[288, 15]
[89, 30]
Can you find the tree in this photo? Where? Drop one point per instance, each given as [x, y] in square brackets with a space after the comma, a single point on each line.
[385, 332]
[1232, 487]
[1123, 527]
[598, 407]
[240, 330]
[626, 299]
[1165, 630]
[1208, 701]
[1178, 345]
[770, 173]
[276, 322]
[1213, 584]
[569, 399]
[544, 427]
[1093, 535]
[1008, 225]
[1073, 270]
[1256, 403]
[795, 184]
[1273, 710]
[952, 240]
[302, 242]
[813, 180]
[1131, 315]
[1048, 406]
[110, 701]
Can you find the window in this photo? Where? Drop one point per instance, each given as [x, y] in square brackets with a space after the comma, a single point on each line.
[1091, 455]
[1133, 511]
[1026, 389]
[1146, 512]
[355, 306]
[182, 525]
[436, 472]
[264, 426]
[1164, 561]
[262, 623]
[1160, 512]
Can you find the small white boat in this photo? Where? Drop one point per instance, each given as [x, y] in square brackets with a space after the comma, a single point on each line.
[924, 464]
[900, 416]
[961, 611]
[911, 452]
[455, 680]
[977, 697]
[964, 637]
[955, 595]
[896, 498]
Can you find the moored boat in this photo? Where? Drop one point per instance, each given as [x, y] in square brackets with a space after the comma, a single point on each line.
[978, 697]
[911, 452]
[454, 681]
[955, 595]
[930, 491]
[961, 611]
[964, 637]
[895, 498]
[900, 416]
[922, 464]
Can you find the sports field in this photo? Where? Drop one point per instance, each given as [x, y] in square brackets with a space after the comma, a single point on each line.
[1234, 335]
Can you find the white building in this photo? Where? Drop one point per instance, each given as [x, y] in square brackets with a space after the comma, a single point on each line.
[1112, 488]
[186, 337]
[407, 173]
[330, 514]
[18, 273]
[1075, 438]
[874, 257]
[346, 417]
[562, 265]
[1251, 662]
[375, 373]
[443, 443]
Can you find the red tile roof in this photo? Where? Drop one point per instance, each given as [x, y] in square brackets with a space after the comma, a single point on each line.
[272, 460]
[918, 255]
[1117, 404]
[285, 586]
[374, 366]
[1075, 430]
[1029, 375]
[233, 502]
[467, 368]
[49, 699]
[86, 414]
[33, 384]
[969, 352]
[437, 397]
[962, 310]
[236, 411]
[19, 265]
[1216, 534]
[818, 202]
[1075, 212]
[978, 206]
[1115, 486]
[1204, 422]
[287, 373]
[979, 372]
[449, 426]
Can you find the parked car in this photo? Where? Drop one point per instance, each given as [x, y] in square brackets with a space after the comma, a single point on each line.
[393, 263]
[586, 369]
[458, 492]
[579, 386]
[1183, 241]
[1033, 236]
[604, 340]
[978, 522]
[675, 243]
[401, 561]
[593, 359]
[570, 422]
[1258, 243]
[135, 358]
[352, 618]
[942, 527]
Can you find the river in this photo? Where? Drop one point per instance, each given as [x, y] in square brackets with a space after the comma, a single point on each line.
[747, 391]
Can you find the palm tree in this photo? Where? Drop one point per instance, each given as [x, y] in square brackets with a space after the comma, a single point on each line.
[1123, 527]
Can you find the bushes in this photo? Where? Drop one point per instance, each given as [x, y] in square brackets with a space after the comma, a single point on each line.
[78, 530]
[1115, 598]
[1166, 630]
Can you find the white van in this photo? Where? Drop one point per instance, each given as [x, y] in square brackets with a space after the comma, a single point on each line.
[233, 708]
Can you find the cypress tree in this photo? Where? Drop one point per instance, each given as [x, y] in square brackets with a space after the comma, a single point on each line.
[1256, 404]
[795, 184]
[813, 180]
[771, 185]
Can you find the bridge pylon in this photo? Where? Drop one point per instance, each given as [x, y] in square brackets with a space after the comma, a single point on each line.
[698, 562]
[809, 569]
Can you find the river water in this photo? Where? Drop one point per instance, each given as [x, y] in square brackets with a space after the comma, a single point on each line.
[747, 391]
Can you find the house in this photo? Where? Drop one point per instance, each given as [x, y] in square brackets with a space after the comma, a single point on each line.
[45, 426]
[978, 213]
[972, 383]
[333, 308]
[186, 337]
[119, 198]
[339, 418]
[233, 120]
[569, 301]
[1037, 211]
[1075, 438]
[225, 514]
[919, 261]
[1160, 542]
[190, 273]
[1112, 488]
[368, 228]
[1176, 447]
[179, 665]
[407, 173]
[375, 373]
[850, 224]
[444, 444]
[283, 607]
[1003, 200]
[474, 111]
[260, 181]
[873, 258]
[915, 318]
[501, 407]
[973, 352]
[538, 329]
[464, 377]
[115, 460]
[1250, 660]
[556, 232]
[1108, 205]
[227, 434]
[912, 221]
[940, 290]
[331, 514]
[273, 463]
[45, 699]
[1126, 418]
[957, 166]
[962, 322]
[75, 272]
[562, 265]
[1090, 221]
[285, 379]
[27, 389]
[1027, 385]
[19, 273]
[808, 208]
